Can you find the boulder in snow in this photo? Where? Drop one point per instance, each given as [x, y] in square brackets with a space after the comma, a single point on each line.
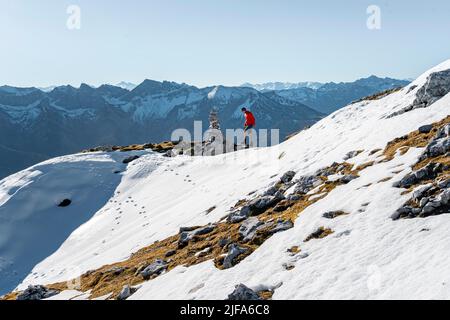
[333, 214]
[155, 268]
[347, 178]
[126, 292]
[37, 292]
[242, 292]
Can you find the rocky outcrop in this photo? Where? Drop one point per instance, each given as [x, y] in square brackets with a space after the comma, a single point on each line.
[428, 172]
[254, 207]
[427, 200]
[440, 145]
[37, 293]
[431, 182]
[242, 292]
[436, 87]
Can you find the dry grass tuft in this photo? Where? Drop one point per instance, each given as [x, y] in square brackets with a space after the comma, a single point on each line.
[320, 233]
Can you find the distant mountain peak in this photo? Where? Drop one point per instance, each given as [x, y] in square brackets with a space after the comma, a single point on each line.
[126, 85]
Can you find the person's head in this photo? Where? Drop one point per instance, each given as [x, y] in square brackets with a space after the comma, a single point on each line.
[244, 110]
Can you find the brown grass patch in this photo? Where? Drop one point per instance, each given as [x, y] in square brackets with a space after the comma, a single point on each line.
[414, 139]
[371, 153]
[266, 294]
[320, 233]
[365, 165]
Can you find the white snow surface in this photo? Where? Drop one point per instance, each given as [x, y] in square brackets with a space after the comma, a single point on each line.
[113, 215]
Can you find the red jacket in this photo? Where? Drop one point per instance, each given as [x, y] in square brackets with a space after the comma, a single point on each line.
[249, 119]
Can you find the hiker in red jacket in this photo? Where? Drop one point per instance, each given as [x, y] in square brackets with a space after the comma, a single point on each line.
[248, 125]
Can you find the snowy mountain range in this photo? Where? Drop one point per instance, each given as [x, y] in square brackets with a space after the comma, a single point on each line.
[329, 97]
[355, 207]
[36, 125]
[275, 86]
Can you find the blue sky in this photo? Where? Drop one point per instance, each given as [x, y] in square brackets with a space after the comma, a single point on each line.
[207, 42]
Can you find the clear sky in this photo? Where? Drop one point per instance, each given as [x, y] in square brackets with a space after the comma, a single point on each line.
[207, 42]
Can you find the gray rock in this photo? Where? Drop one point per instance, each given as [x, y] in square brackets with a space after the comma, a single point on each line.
[187, 234]
[233, 252]
[248, 229]
[116, 270]
[333, 214]
[426, 128]
[419, 192]
[126, 292]
[223, 242]
[170, 253]
[306, 183]
[37, 292]
[444, 184]
[293, 197]
[242, 292]
[440, 145]
[430, 207]
[169, 154]
[261, 204]
[436, 87]
[402, 212]
[347, 178]
[444, 197]
[155, 268]
[287, 177]
[430, 171]
[271, 191]
[235, 217]
[350, 155]
[282, 226]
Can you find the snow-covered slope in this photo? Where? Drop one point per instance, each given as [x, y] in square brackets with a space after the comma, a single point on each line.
[113, 215]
